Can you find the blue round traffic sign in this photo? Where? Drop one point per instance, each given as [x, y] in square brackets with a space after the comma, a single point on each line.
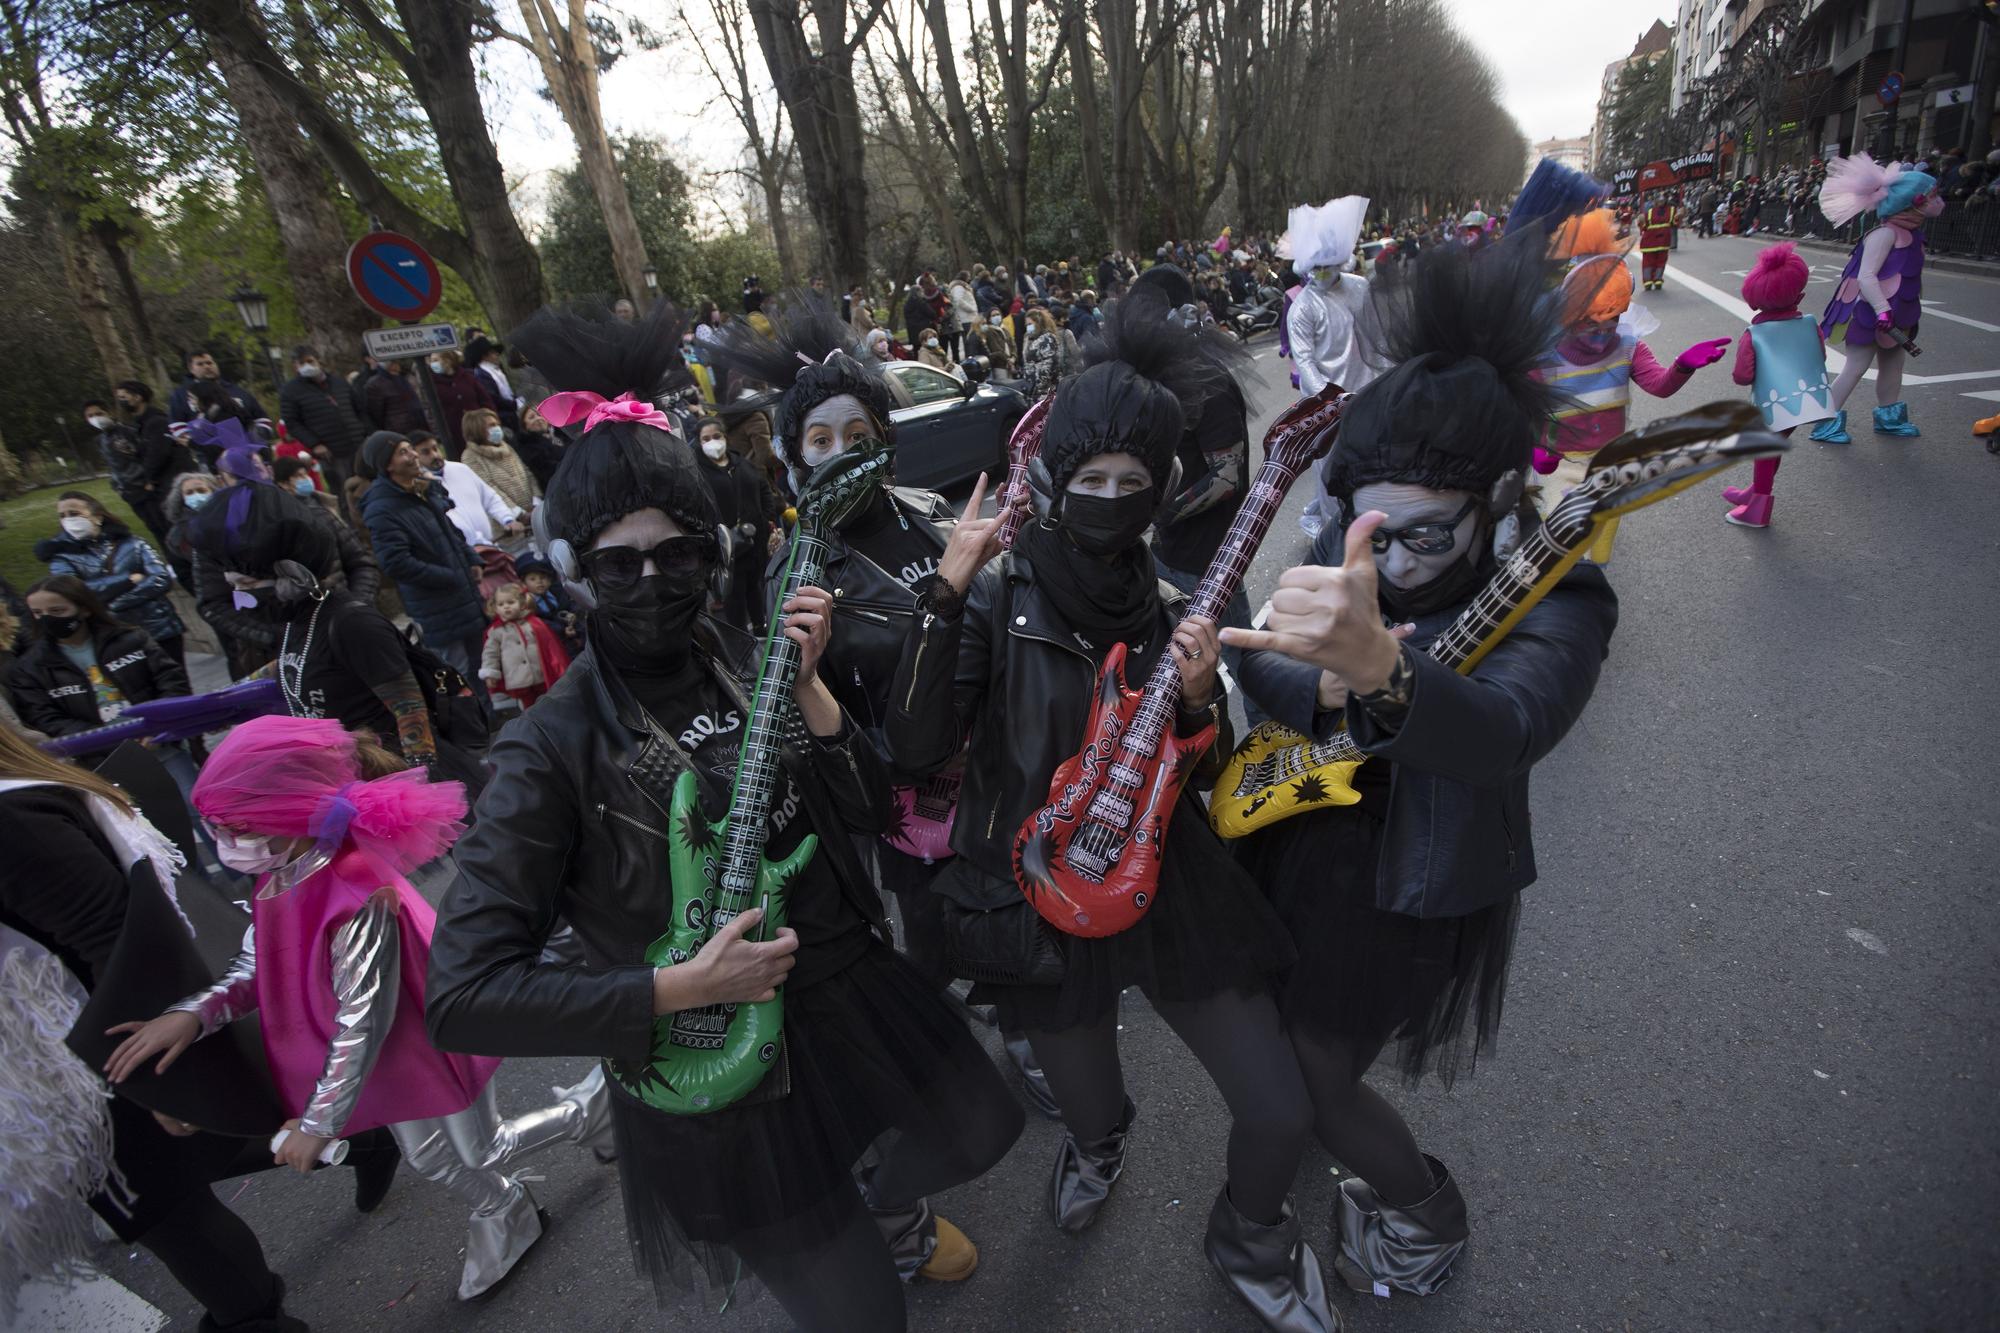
[1891, 90]
[394, 276]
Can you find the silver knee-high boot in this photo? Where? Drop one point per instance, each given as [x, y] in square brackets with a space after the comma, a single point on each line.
[505, 1222]
[580, 1115]
[1271, 1267]
[1085, 1173]
[1407, 1249]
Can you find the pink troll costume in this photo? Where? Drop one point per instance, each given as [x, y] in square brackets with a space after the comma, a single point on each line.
[336, 960]
[285, 777]
[1781, 357]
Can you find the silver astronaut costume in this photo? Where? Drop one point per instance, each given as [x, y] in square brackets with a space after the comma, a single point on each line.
[469, 1151]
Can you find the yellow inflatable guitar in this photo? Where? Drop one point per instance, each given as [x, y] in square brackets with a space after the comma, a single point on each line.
[1276, 773]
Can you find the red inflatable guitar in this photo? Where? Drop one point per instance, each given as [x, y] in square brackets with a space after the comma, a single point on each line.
[1089, 859]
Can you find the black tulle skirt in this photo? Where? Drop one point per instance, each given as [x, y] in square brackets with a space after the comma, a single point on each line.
[1363, 974]
[877, 1060]
[1209, 931]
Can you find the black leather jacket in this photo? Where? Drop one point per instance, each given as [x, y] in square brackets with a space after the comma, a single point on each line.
[872, 612]
[572, 825]
[1011, 674]
[1457, 837]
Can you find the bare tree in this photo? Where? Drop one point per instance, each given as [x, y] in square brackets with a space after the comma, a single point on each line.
[570, 61]
[987, 132]
[814, 74]
[904, 125]
[769, 153]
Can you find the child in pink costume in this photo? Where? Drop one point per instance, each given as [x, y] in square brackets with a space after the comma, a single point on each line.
[335, 963]
[1782, 357]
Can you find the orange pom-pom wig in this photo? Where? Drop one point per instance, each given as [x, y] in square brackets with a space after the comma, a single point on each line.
[1599, 286]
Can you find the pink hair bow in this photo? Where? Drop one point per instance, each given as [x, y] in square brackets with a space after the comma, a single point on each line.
[560, 409]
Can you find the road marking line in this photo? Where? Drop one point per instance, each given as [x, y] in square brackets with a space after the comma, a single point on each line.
[1988, 395]
[1834, 360]
[1932, 308]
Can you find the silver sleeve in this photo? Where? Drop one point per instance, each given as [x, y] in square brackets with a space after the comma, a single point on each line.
[234, 993]
[367, 970]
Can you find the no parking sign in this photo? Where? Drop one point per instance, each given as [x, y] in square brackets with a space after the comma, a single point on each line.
[394, 276]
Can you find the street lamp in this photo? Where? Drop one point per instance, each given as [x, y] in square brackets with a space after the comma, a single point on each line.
[252, 307]
[652, 276]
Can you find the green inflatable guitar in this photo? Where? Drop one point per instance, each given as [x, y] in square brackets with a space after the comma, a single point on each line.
[706, 1059]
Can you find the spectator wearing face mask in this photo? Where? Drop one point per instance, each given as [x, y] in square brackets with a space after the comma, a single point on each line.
[203, 370]
[142, 456]
[294, 476]
[494, 460]
[480, 513]
[484, 358]
[739, 502]
[538, 445]
[391, 399]
[459, 391]
[125, 573]
[325, 414]
[86, 666]
[186, 494]
[932, 352]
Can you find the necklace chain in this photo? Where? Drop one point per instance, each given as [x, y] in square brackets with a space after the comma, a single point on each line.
[293, 687]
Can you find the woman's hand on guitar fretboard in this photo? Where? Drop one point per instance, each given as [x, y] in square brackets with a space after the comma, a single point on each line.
[1329, 617]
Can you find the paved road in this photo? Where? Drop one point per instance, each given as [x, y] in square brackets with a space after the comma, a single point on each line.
[1747, 1078]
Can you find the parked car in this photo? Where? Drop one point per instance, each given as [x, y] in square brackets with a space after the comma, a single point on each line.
[949, 431]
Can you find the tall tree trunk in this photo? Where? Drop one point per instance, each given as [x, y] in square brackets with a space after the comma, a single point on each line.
[110, 239]
[817, 88]
[509, 272]
[771, 176]
[491, 254]
[309, 227]
[94, 304]
[568, 57]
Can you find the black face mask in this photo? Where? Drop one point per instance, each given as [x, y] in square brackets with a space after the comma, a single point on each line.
[58, 627]
[1105, 527]
[649, 625]
[1447, 589]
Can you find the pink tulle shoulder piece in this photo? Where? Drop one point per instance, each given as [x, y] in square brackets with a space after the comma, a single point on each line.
[1854, 185]
[402, 820]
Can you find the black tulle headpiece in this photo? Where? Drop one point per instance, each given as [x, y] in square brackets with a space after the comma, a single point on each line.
[1462, 331]
[1149, 372]
[811, 356]
[616, 466]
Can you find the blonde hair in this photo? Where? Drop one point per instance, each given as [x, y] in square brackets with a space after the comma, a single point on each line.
[452, 360]
[474, 423]
[1042, 320]
[518, 589]
[20, 758]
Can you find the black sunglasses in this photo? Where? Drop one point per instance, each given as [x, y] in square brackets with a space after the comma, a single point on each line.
[1432, 538]
[683, 557]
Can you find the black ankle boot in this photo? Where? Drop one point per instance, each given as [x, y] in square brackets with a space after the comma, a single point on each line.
[1085, 1173]
[1406, 1249]
[1271, 1268]
[375, 1166]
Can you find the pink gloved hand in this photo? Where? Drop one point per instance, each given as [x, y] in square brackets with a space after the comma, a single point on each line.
[1704, 353]
[1546, 460]
[1885, 321]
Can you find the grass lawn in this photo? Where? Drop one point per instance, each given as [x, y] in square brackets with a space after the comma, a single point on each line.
[27, 519]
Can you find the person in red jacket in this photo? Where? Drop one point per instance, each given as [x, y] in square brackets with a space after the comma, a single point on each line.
[1656, 237]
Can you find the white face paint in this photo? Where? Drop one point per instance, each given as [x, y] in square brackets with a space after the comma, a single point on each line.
[832, 427]
[1406, 505]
